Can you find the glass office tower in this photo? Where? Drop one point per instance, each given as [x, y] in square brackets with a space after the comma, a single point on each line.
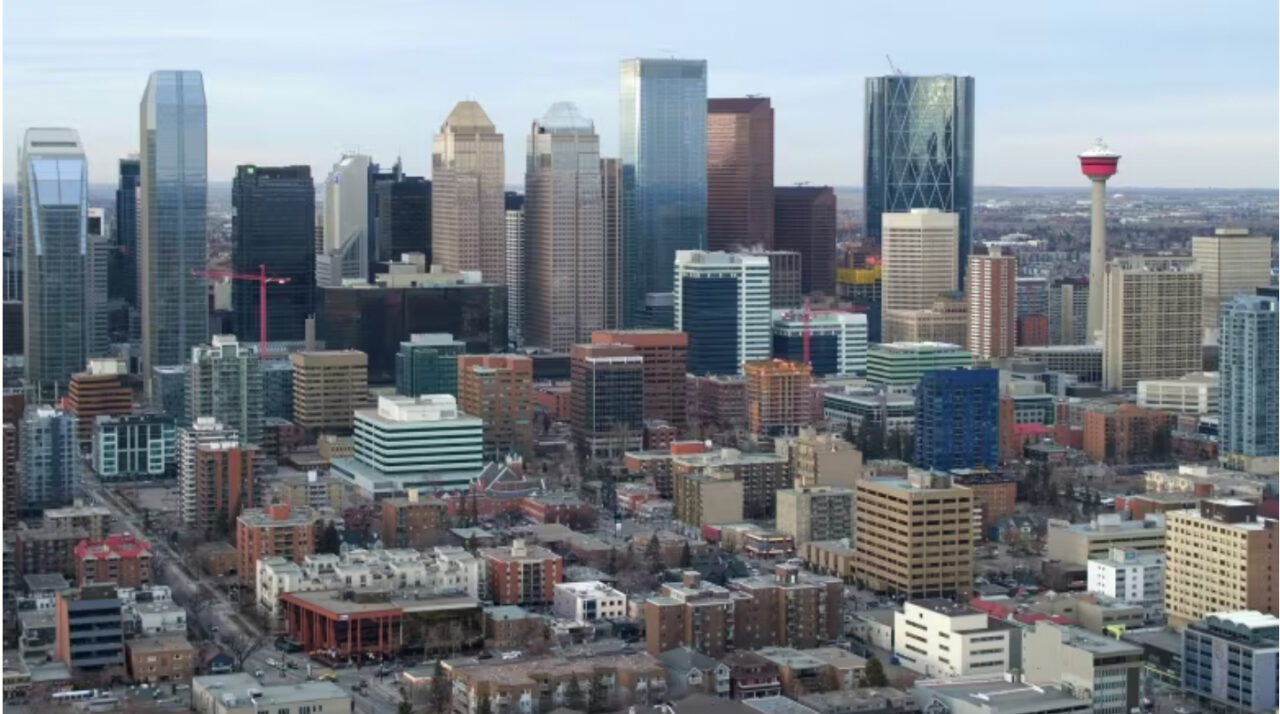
[664, 177]
[172, 215]
[273, 224]
[53, 188]
[919, 150]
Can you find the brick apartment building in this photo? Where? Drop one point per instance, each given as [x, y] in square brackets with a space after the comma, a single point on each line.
[415, 521]
[121, 560]
[279, 529]
[499, 390]
[666, 354]
[522, 574]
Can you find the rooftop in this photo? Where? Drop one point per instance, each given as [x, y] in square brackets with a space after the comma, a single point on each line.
[381, 601]
[1000, 696]
[44, 582]
[778, 705]
[942, 606]
[237, 685]
[530, 671]
[160, 643]
[122, 545]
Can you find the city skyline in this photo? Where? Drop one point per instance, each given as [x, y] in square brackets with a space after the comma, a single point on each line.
[304, 99]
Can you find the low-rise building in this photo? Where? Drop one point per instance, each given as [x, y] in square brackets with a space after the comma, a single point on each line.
[1090, 665]
[996, 695]
[788, 608]
[820, 459]
[691, 614]
[536, 686]
[761, 474]
[691, 671]
[865, 700]
[511, 627]
[829, 557]
[279, 529]
[588, 601]
[1078, 543]
[940, 638]
[1129, 576]
[90, 631]
[1229, 661]
[121, 560]
[1195, 393]
[417, 521]
[240, 693]
[380, 621]
[160, 658]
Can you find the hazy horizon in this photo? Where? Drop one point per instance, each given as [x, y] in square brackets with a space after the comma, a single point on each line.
[1186, 92]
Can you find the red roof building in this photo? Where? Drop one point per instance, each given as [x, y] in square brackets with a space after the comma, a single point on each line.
[121, 559]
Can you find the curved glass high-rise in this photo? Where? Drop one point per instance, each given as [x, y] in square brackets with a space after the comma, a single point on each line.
[174, 195]
[919, 150]
[664, 177]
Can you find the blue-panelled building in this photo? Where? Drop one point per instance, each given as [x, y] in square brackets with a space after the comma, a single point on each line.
[1249, 343]
[957, 419]
[1229, 661]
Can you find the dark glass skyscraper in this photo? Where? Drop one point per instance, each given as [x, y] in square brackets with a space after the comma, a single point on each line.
[123, 284]
[402, 214]
[805, 223]
[274, 224]
[919, 149]
[739, 173]
[664, 175]
[174, 188]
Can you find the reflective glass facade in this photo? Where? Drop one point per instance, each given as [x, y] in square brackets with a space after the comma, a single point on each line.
[376, 320]
[663, 114]
[174, 193]
[1250, 341]
[53, 188]
[274, 224]
[123, 284]
[919, 149]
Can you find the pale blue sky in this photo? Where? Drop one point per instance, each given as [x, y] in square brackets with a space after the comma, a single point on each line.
[1185, 90]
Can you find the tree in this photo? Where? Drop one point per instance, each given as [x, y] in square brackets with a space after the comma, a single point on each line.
[329, 541]
[849, 434]
[653, 554]
[629, 557]
[573, 694]
[241, 647]
[484, 706]
[441, 690]
[874, 675]
[686, 556]
[405, 706]
[611, 567]
[472, 544]
[598, 695]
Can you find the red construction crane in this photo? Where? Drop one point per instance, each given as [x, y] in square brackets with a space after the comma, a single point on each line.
[262, 279]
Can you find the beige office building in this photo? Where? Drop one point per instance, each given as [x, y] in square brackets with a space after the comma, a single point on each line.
[564, 231]
[820, 459]
[1078, 543]
[328, 386]
[815, 513]
[713, 498]
[1151, 321]
[1232, 262]
[1220, 558]
[945, 320]
[919, 253]
[468, 208]
[914, 536]
[613, 265]
[991, 289]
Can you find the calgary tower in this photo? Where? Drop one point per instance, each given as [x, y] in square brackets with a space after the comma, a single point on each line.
[1099, 164]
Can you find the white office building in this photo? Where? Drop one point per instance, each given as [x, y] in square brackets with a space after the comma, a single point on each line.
[722, 301]
[940, 638]
[413, 442]
[346, 223]
[837, 340]
[1195, 393]
[1129, 575]
[588, 601]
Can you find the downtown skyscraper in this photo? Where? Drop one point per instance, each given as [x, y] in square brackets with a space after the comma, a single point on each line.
[348, 222]
[53, 194]
[273, 225]
[663, 141]
[918, 139]
[468, 214]
[564, 228]
[740, 174]
[174, 194]
[1250, 420]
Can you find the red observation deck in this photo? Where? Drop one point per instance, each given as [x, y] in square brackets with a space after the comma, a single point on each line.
[1099, 162]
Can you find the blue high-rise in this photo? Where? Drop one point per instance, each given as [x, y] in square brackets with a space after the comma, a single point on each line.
[918, 144]
[664, 178]
[957, 413]
[173, 191]
[1249, 342]
[123, 284]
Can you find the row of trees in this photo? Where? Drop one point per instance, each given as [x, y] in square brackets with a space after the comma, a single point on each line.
[877, 442]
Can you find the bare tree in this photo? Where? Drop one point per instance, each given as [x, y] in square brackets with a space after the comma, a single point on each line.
[241, 647]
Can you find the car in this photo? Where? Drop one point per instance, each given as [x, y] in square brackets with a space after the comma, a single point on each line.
[273, 662]
[259, 674]
[291, 664]
[511, 655]
[326, 677]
